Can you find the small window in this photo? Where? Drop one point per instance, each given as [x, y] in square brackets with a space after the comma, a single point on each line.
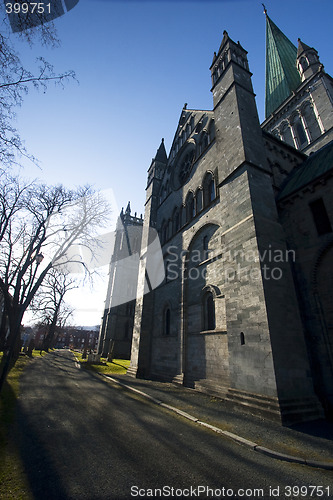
[242, 338]
[304, 63]
[209, 311]
[167, 316]
[320, 217]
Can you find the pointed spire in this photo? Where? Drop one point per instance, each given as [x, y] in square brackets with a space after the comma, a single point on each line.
[161, 153]
[282, 77]
[128, 209]
[302, 47]
[224, 40]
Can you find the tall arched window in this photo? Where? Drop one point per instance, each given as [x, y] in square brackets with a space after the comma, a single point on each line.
[198, 200]
[299, 132]
[190, 207]
[209, 189]
[304, 63]
[209, 311]
[311, 120]
[286, 134]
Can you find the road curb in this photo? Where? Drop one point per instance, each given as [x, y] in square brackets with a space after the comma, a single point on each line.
[240, 440]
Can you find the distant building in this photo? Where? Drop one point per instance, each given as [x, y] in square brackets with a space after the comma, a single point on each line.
[77, 338]
[118, 318]
[244, 212]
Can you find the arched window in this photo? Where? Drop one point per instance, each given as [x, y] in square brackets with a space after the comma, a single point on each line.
[198, 200]
[209, 189]
[287, 135]
[190, 207]
[304, 63]
[211, 133]
[209, 311]
[301, 133]
[311, 120]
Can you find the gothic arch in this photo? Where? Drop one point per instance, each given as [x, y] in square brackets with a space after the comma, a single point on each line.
[190, 206]
[212, 224]
[167, 318]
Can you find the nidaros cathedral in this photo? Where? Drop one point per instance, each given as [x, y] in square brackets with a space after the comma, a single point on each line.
[244, 214]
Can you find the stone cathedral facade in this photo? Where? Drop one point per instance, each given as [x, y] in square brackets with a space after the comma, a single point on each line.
[244, 214]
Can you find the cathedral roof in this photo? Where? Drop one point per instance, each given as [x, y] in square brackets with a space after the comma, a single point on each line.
[282, 77]
[314, 167]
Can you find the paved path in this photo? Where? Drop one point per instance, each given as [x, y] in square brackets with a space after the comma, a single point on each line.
[82, 438]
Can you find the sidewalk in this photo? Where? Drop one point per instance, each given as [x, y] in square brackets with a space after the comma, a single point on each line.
[309, 443]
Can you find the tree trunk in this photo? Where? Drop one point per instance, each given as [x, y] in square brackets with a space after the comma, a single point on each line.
[13, 343]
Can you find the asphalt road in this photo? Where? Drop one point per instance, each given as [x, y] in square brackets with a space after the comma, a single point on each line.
[84, 438]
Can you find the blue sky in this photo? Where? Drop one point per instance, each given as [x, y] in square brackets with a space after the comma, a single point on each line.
[137, 63]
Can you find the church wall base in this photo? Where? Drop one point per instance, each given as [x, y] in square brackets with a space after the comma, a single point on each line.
[286, 412]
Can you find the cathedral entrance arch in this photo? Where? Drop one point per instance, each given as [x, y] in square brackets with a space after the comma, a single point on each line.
[205, 344]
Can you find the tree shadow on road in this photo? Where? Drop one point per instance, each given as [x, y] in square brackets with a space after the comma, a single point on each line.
[42, 476]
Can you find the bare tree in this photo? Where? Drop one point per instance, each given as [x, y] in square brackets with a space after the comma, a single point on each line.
[16, 80]
[43, 228]
[49, 305]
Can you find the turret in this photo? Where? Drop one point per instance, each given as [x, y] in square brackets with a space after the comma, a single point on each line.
[308, 62]
[235, 109]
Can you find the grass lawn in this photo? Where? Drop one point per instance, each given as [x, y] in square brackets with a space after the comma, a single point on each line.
[117, 367]
[13, 481]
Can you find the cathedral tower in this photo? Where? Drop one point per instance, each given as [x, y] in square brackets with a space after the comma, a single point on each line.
[299, 94]
[117, 321]
[264, 358]
[149, 275]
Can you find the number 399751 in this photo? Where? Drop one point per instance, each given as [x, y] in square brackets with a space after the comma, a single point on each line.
[25, 8]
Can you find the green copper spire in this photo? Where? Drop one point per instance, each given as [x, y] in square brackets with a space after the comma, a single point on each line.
[282, 76]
